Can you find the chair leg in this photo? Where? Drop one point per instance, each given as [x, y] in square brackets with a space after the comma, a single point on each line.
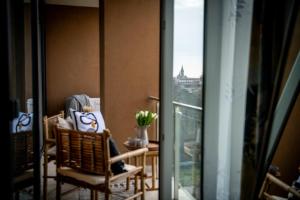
[128, 178]
[127, 183]
[45, 177]
[107, 191]
[92, 194]
[135, 184]
[17, 195]
[96, 194]
[143, 186]
[107, 195]
[153, 172]
[58, 187]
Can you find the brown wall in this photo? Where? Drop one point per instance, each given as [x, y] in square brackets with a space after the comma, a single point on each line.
[288, 151]
[72, 54]
[131, 69]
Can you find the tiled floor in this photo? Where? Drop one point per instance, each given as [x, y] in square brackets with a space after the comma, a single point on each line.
[70, 192]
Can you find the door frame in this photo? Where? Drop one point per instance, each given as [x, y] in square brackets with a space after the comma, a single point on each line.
[166, 125]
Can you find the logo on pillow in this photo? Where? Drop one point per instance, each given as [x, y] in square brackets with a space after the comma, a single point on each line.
[22, 123]
[88, 121]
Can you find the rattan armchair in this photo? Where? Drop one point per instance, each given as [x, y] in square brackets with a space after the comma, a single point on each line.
[272, 180]
[22, 152]
[83, 159]
[49, 146]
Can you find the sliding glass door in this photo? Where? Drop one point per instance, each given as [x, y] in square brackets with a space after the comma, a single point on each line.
[181, 94]
[187, 97]
[21, 114]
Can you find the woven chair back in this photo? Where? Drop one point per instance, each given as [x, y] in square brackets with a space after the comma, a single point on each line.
[22, 151]
[87, 152]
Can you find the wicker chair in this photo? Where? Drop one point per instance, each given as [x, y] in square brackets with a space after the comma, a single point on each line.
[83, 159]
[49, 146]
[22, 151]
[271, 179]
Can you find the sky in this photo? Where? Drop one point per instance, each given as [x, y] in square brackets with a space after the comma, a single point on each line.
[188, 37]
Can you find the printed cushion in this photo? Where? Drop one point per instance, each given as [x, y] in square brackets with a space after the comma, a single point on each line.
[88, 121]
[22, 123]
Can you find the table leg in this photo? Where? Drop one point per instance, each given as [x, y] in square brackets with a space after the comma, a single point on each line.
[153, 172]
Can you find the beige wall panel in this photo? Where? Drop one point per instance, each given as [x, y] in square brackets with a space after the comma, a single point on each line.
[131, 63]
[72, 54]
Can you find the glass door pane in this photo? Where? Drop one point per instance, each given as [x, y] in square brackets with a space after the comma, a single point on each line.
[21, 123]
[187, 97]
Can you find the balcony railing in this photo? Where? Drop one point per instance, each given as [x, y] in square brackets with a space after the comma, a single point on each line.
[187, 147]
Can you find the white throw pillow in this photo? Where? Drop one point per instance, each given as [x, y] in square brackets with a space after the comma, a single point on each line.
[88, 121]
[95, 103]
[65, 123]
[22, 123]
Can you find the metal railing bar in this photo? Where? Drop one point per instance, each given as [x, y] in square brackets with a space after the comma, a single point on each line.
[177, 103]
[187, 105]
[153, 98]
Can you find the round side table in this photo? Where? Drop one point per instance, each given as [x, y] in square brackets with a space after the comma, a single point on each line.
[153, 148]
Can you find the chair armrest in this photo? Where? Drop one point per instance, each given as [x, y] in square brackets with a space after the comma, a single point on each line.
[280, 184]
[283, 185]
[154, 141]
[128, 155]
[50, 141]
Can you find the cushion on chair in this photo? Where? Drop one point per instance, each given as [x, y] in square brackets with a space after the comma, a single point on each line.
[65, 123]
[95, 103]
[88, 178]
[28, 174]
[129, 167]
[278, 198]
[22, 123]
[52, 151]
[88, 121]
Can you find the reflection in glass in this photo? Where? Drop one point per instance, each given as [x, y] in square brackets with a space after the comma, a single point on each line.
[21, 96]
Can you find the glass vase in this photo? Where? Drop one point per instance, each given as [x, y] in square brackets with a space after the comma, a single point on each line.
[142, 134]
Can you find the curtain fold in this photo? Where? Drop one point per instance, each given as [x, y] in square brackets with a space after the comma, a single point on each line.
[272, 28]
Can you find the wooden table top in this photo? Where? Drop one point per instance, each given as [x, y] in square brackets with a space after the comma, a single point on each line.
[152, 146]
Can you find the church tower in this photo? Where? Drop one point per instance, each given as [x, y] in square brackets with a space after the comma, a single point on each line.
[181, 74]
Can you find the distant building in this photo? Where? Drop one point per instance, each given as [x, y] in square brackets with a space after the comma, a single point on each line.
[183, 80]
[181, 74]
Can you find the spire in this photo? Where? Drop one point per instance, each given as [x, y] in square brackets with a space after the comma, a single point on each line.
[182, 71]
[181, 74]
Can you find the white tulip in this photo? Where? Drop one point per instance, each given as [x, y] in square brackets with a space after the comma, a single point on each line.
[154, 115]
